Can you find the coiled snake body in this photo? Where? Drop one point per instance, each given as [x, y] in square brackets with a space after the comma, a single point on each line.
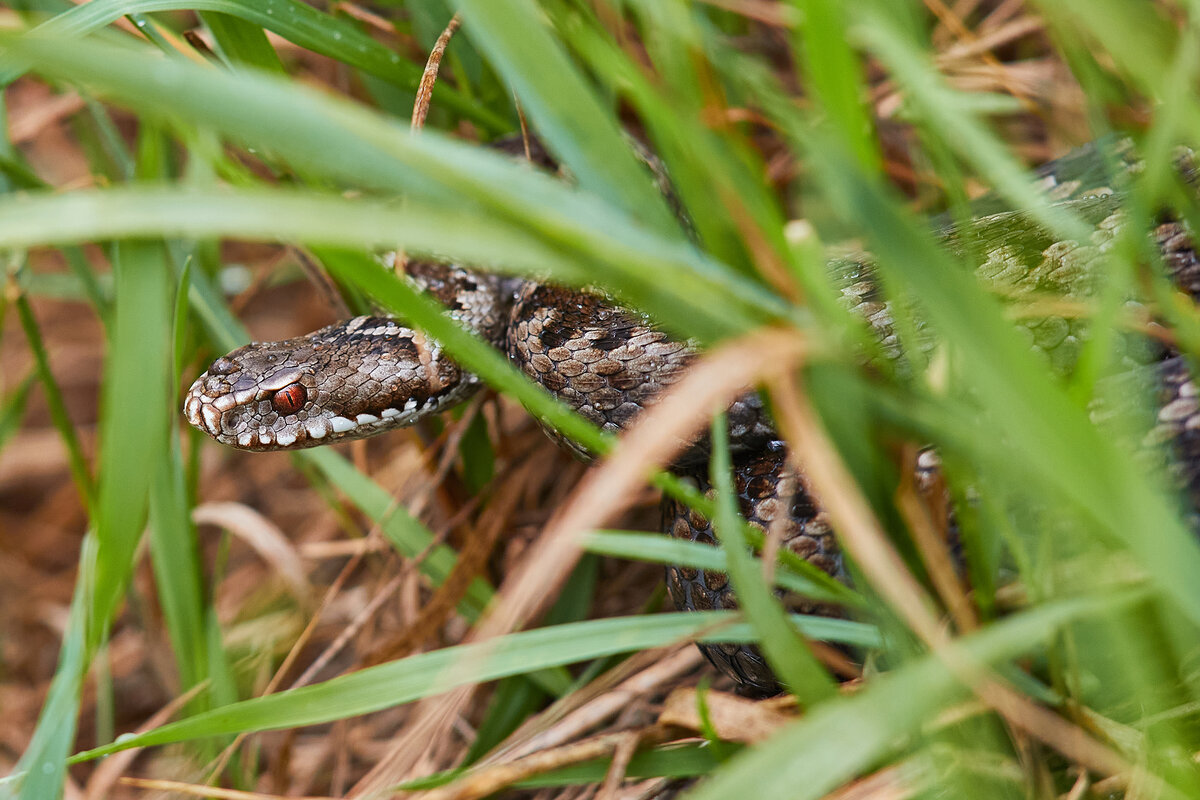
[370, 374]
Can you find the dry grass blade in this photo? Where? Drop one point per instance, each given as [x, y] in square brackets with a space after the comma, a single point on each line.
[434, 716]
[892, 783]
[952, 21]
[203, 790]
[922, 509]
[492, 779]
[31, 124]
[413, 753]
[778, 15]
[733, 718]
[264, 537]
[1010, 32]
[857, 527]
[607, 704]
[622, 755]
[430, 75]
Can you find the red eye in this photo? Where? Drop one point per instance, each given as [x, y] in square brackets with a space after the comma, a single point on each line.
[289, 399]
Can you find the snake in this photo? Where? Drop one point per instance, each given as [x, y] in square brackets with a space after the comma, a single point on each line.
[371, 374]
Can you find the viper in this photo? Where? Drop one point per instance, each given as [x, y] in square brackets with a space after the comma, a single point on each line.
[371, 374]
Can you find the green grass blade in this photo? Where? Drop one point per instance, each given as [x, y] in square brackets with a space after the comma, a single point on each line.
[835, 76]
[790, 658]
[661, 549]
[427, 674]
[54, 401]
[178, 568]
[12, 408]
[42, 769]
[717, 175]
[563, 107]
[242, 42]
[841, 738]
[295, 21]
[700, 299]
[960, 127]
[133, 421]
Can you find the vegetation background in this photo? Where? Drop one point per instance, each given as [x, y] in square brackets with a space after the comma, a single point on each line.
[180, 174]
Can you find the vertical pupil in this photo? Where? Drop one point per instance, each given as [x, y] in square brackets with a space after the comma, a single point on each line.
[289, 399]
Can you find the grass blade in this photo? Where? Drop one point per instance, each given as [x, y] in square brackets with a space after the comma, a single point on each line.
[791, 660]
[133, 422]
[838, 740]
[295, 21]
[582, 134]
[427, 674]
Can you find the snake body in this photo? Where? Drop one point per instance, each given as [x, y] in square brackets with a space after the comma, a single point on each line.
[371, 374]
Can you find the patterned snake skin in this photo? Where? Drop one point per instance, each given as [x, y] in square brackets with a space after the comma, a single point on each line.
[370, 374]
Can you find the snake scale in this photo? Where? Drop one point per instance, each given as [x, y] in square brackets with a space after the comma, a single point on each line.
[371, 374]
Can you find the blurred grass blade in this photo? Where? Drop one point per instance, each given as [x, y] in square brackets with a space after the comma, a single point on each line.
[428, 674]
[960, 127]
[837, 741]
[12, 409]
[692, 155]
[1136, 36]
[835, 76]
[295, 21]
[692, 294]
[54, 402]
[789, 656]
[42, 770]
[564, 108]
[242, 43]
[133, 418]
[667, 550]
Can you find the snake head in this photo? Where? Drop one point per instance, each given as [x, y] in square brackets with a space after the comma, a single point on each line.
[347, 381]
[257, 398]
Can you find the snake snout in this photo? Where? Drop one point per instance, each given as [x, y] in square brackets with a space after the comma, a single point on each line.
[193, 402]
[199, 409]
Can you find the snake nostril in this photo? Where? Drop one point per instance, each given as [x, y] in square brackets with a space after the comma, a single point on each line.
[223, 366]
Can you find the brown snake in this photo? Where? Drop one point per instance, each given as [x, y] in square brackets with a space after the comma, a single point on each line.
[370, 374]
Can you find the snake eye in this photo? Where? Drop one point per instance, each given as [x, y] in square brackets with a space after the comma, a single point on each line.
[289, 399]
